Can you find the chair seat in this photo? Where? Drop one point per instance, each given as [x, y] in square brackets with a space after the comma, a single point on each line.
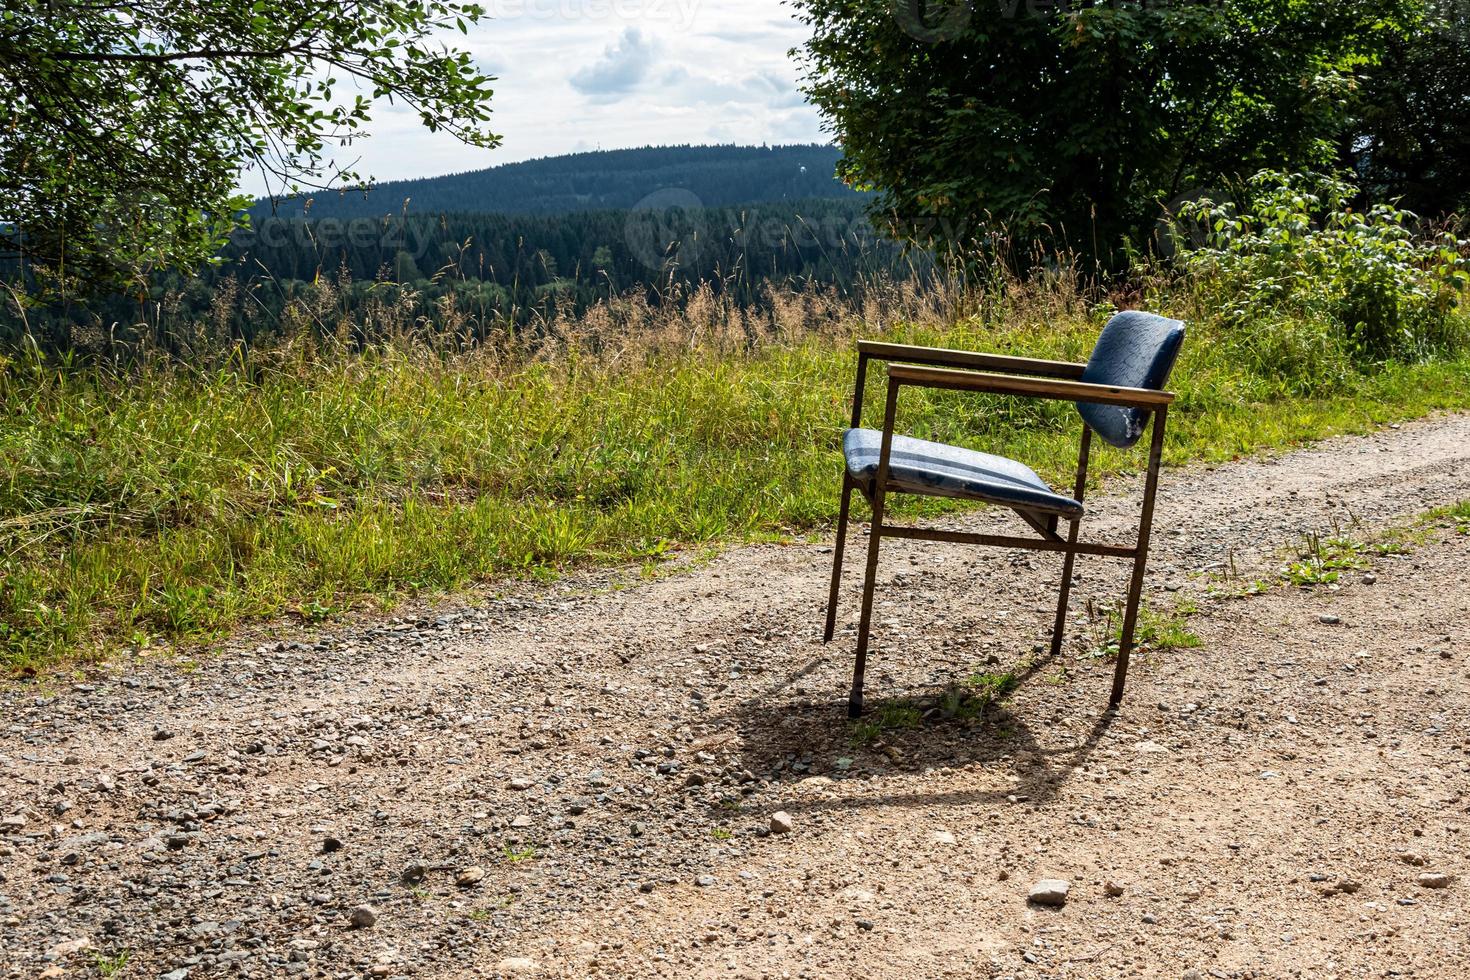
[938, 470]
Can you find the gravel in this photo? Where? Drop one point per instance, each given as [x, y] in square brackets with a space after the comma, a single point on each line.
[481, 767]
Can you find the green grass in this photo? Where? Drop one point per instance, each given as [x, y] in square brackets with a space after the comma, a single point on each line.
[161, 504]
[110, 965]
[889, 717]
[1155, 630]
[960, 702]
[1457, 516]
[1321, 561]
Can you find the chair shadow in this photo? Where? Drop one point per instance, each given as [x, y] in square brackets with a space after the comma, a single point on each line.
[777, 732]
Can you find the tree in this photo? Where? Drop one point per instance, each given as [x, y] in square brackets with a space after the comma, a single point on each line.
[1071, 122]
[127, 126]
[1409, 136]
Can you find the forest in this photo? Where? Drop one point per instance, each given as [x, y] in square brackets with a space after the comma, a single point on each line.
[498, 268]
[650, 176]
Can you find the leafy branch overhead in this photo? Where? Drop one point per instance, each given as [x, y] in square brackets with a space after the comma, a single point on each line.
[127, 126]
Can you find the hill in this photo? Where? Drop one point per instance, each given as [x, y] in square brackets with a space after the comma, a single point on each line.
[709, 176]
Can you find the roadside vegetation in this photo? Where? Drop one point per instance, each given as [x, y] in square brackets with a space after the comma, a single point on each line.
[153, 500]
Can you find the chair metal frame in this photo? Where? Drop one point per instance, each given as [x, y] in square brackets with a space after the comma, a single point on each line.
[930, 367]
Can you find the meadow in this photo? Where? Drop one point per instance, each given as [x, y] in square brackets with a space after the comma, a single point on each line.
[156, 500]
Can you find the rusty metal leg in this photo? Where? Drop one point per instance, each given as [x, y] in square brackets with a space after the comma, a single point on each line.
[865, 620]
[837, 551]
[1140, 559]
[1058, 632]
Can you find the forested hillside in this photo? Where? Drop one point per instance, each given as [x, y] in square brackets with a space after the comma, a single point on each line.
[496, 268]
[711, 176]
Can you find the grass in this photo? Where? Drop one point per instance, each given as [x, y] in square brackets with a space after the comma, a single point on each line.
[1456, 515]
[1155, 630]
[111, 965]
[157, 503]
[889, 717]
[961, 702]
[487, 912]
[1321, 561]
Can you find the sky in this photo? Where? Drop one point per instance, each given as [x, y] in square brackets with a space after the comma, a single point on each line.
[605, 74]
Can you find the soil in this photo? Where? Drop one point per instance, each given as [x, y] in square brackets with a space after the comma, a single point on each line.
[581, 779]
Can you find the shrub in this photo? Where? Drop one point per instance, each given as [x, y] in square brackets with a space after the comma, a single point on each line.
[1296, 251]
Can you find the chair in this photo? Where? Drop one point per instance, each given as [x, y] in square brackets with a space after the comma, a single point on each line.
[1117, 392]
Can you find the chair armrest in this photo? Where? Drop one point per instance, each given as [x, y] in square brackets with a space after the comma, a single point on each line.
[942, 357]
[1071, 391]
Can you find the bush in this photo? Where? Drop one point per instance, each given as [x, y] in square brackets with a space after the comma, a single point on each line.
[1296, 252]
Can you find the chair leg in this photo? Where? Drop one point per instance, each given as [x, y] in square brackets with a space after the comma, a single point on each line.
[880, 486]
[837, 552]
[865, 621]
[1130, 622]
[1140, 559]
[1059, 630]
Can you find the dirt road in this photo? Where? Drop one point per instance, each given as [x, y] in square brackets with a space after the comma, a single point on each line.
[581, 780]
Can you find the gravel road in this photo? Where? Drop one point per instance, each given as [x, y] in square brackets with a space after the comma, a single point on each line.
[625, 778]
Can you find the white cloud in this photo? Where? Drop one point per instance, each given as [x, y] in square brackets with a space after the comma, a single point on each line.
[691, 87]
[622, 66]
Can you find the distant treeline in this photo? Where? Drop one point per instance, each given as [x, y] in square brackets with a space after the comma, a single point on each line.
[684, 176]
[495, 269]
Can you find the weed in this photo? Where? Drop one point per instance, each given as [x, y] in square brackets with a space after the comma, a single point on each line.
[515, 855]
[1457, 515]
[315, 611]
[1321, 561]
[890, 716]
[721, 834]
[988, 687]
[110, 965]
[1153, 631]
[486, 912]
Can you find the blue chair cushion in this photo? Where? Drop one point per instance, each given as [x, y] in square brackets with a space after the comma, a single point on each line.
[937, 470]
[1135, 350]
